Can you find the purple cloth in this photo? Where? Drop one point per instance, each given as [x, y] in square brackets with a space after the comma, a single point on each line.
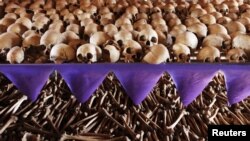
[137, 79]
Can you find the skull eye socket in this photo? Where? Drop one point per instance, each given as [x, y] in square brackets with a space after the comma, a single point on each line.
[217, 59]
[79, 56]
[142, 38]
[128, 50]
[89, 56]
[153, 39]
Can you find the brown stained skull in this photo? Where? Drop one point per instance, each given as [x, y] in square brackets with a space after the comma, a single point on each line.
[209, 54]
[236, 55]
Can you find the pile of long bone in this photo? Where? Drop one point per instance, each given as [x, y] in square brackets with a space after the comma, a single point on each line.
[154, 32]
[110, 115]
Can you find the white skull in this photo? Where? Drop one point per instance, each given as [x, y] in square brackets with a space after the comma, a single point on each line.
[199, 29]
[110, 29]
[187, 38]
[209, 54]
[122, 36]
[73, 27]
[68, 36]
[148, 37]
[181, 52]
[62, 53]
[91, 29]
[111, 53]
[99, 38]
[236, 55]
[50, 38]
[88, 53]
[132, 51]
[15, 55]
[158, 54]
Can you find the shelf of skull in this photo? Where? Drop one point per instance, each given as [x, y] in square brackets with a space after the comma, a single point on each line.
[120, 31]
[84, 31]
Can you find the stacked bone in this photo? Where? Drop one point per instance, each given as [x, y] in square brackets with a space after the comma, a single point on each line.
[64, 31]
[110, 115]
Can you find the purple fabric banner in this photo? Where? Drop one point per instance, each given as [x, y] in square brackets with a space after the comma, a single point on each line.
[137, 83]
[190, 83]
[238, 85]
[83, 81]
[137, 79]
[29, 79]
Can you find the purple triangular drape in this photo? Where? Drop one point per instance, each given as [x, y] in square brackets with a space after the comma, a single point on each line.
[190, 83]
[138, 83]
[137, 79]
[28, 79]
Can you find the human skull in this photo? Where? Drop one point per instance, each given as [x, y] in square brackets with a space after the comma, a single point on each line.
[169, 8]
[158, 54]
[181, 52]
[122, 36]
[132, 51]
[147, 37]
[62, 53]
[50, 38]
[99, 38]
[91, 28]
[111, 53]
[223, 8]
[236, 55]
[9, 39]
[217, 41]
[88, 53]
[187, 38]
[15, 55]
[73, 27]
[68, 36]
[209, 54]
[31, 40]
[235, 26]
[217, 29]
[25, 22]
[199, 29]
[208, 19]
[191, 20]
[110, 29]
[17, 28]
[198, 12]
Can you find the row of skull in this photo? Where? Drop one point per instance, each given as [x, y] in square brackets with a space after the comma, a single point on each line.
[133, 29]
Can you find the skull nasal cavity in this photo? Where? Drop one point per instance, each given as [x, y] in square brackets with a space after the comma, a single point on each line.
[147, 43]
[89, 55]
